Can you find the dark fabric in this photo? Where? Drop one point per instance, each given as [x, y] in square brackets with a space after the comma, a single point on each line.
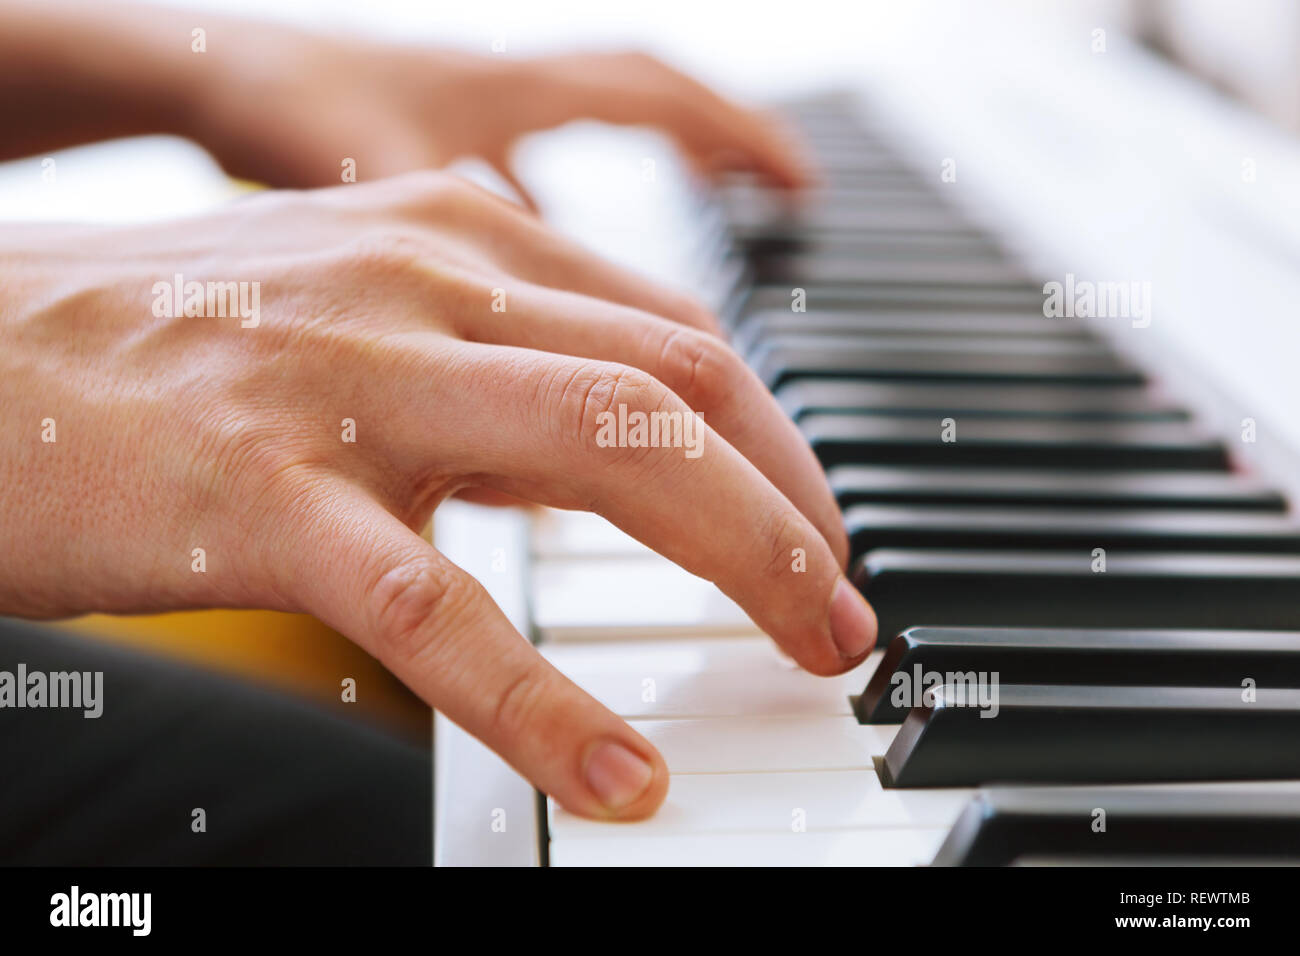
[282, 783]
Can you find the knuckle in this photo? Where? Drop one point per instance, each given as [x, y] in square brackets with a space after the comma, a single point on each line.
[432, 193]
[453, 193]
[457, 202]
[407, 266]
[598, 390]
[595, 399]
[406, 598]
[784, 532]
[702, 369]
[387, 254]
[516, 710]
[432, 184]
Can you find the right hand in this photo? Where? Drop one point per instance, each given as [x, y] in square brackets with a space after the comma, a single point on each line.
[177, 433]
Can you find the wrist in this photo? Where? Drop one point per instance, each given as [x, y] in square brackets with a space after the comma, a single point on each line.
[102, 73]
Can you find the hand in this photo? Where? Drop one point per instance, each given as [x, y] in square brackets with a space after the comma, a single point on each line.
[288, 108]
[375, 305]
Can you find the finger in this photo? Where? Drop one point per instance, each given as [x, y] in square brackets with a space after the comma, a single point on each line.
[711, 130]
[548, 259]
[701, 369]
[527, 247]
[802, 172]
[640, 89]
[437, 629]
[555, 439]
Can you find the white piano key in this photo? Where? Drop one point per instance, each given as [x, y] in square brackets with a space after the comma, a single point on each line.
[757, 744]
[575, 534]
[491, 544]
[721, 694]
[720, 677]
[600, 599]
[774, 803]
[475, 792]
[679, 655]
[882, 847]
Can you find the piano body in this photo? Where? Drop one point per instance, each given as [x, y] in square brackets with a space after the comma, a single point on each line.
[1084, 524]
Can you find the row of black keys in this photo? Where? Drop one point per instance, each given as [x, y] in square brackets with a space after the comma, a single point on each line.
[996, 467]
[1069, 491]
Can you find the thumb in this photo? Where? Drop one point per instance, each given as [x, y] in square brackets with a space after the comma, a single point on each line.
[437, 629]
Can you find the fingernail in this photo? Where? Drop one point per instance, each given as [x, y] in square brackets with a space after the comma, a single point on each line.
[616, 775]
[853, 623]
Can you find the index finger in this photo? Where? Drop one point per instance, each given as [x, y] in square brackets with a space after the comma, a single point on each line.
[635, 88]
[693, 498]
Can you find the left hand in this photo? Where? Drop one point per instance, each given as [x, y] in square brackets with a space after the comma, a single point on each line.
[287, 108]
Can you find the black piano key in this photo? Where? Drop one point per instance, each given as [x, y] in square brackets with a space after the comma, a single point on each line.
[1034, 733]
[844, 206]
[783, 323]
[971, 346]
[1116, 657]
[869, 244]
[834, 269]
[881, 197]
[911, 587]
[1209, 490]
[1040, 443]
[886, 245]
[1022, 301]
[781, 361]
[971, 343]
[1065, 529]
[808, 396]
[1209, 824]
[877, 199]
[748, 218]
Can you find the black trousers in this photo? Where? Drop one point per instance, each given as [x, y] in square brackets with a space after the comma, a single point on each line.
[279, 782]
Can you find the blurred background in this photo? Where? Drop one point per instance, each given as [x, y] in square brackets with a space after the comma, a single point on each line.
[1129, 140]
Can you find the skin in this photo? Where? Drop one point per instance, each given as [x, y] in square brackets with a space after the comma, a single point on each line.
[376, 305]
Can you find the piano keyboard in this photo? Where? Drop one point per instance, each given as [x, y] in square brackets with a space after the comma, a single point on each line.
[1028, 512]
